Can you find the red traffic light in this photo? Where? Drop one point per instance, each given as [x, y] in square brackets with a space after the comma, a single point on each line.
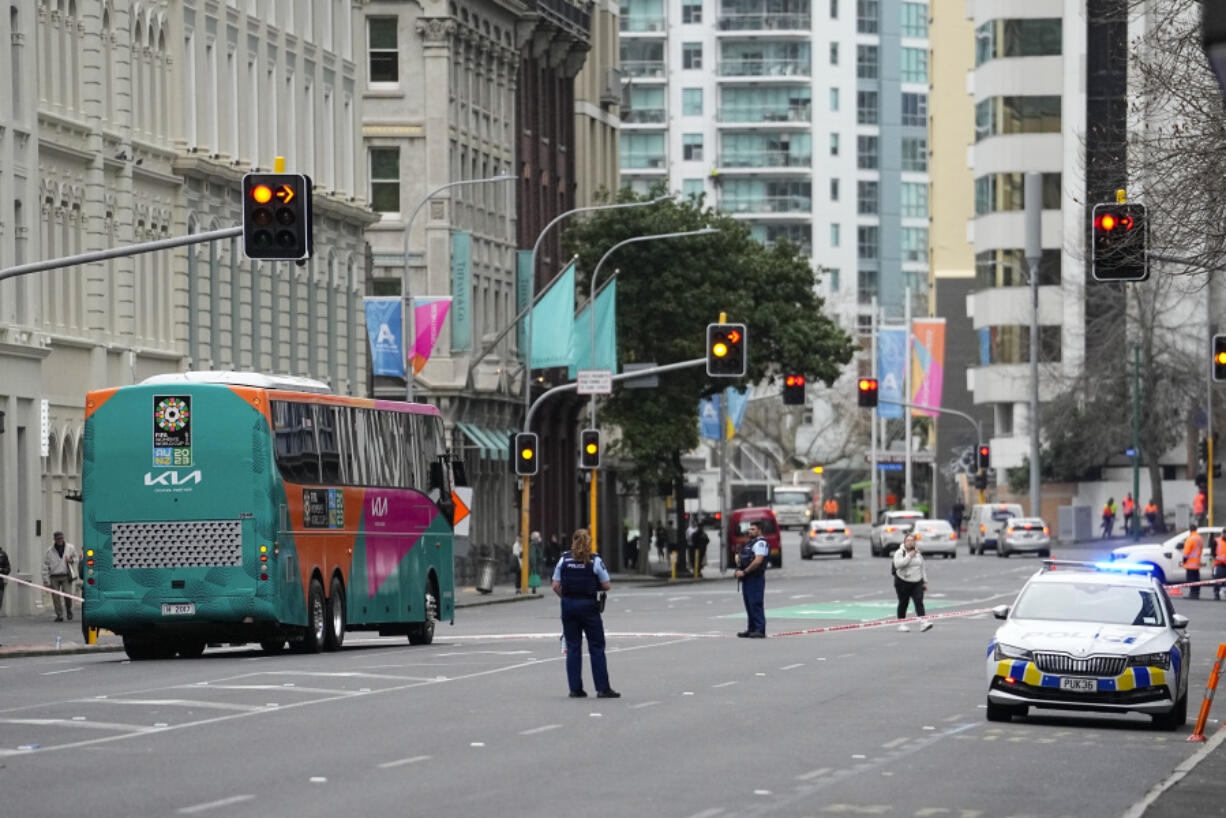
[1110, 222]
[983, 451]
[794, 380]
[868, 392]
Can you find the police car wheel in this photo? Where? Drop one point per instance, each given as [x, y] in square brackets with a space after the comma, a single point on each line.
[1174, 718]
[1003, 712]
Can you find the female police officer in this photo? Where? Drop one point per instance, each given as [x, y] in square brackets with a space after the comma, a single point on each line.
[578, 577]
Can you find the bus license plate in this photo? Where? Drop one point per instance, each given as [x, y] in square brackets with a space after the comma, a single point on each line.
[178, 608]
[1079, 685]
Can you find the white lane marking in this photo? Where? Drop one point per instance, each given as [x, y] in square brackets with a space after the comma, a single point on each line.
[476, 744]
[490, 652]
[858, 755]
[793, 667]
[813, 774]
[708, 813]
[400, 762]
[643, 704]
[93, 725]
[348, 674]
[327, 691]
[801, 596]
[246, 708]
[724, 684]
[318, 779]
[224, 802]
[532, 731]
[57, 672]
[761, 792]
[890, 745]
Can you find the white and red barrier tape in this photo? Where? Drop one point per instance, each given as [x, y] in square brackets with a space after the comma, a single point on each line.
[36, 586]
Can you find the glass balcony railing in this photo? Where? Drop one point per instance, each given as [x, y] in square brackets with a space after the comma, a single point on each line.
[762, 21]
[765, 113]
[764, 159]
[763, 68]
[641, 22]
[643, 161]
[766, 204]
[643, 68]
[644, 116]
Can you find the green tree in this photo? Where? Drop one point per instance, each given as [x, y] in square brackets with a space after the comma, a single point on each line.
[669, 290]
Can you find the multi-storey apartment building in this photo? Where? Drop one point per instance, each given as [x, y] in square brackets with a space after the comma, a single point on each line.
[125, 121]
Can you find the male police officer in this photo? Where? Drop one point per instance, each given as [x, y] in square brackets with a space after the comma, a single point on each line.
[578, 577]
[751, 571]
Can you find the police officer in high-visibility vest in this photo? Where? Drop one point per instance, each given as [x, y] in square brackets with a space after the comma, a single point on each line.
[1219, 563]
[578, 578]
[751, 571]
[1191, 560]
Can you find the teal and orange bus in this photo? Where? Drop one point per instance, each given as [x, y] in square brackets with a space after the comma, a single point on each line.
[232, 507]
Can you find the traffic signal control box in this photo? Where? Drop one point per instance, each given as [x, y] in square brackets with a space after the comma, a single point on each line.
[726, 350]
[1120, 242]
[526, 454]
[794, 390]
[277, 216]
[868, 392]
[589, 449]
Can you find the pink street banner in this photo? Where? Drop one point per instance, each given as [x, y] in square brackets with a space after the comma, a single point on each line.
[927, 363]
[428, 315]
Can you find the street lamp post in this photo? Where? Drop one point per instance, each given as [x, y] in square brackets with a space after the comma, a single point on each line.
[407, 319]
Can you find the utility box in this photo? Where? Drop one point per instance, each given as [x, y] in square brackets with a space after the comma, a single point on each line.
[1075, 524]
[1183, 516]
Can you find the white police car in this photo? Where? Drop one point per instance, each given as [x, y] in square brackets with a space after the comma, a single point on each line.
[1090, 636]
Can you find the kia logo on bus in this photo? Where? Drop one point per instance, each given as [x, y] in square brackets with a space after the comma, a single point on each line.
[172, 478]
[378, 507]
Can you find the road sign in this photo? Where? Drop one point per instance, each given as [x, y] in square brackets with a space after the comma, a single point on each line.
[595, 382]
[889, 467]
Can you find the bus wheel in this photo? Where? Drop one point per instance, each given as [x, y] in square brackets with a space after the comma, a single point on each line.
[313, 636]
[422, 633]
[272, 645]
[335, 635]
[191, 648]
[140, 650]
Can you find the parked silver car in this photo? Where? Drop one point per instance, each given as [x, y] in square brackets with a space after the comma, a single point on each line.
[1024, 534]
[826, 537]
[936, 537]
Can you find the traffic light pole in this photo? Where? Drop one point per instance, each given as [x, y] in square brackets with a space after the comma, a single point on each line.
[117, 252]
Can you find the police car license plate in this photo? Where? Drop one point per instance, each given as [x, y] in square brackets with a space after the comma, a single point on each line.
[178, 608]
[1079, 685]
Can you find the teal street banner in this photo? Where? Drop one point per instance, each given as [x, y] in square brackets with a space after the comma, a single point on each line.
[606, 334]
[708, 413]
[384, 328]
[523, 295]
[461, 291]
[553, 323]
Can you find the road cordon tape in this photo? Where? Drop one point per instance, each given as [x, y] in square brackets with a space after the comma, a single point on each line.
[878, 623]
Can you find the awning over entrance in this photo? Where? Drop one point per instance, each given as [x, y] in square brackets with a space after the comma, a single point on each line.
[492, 443]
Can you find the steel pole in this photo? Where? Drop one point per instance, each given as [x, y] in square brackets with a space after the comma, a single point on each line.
[1034, 254]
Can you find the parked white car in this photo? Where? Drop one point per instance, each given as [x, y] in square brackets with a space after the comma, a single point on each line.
[936, 537]
[826, 537]
[1167, 556]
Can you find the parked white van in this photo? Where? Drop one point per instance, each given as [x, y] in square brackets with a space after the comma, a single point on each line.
[986, 522]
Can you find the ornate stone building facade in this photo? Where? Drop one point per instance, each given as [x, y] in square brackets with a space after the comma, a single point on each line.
[126, 121]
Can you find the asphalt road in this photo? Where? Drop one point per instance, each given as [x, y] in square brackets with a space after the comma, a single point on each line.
[868, 721]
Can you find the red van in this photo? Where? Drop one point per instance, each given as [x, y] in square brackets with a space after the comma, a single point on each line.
[738, 532]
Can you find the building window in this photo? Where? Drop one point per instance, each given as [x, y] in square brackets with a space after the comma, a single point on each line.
[914, 67]
[866, 152]
[384, 52]
[1006, 191]
[834, 99]
[835, 234]
[915, 109]
[915, 154]
[834, 144]
[866, 285]
[867, 62]
[866, 107]
[915, 20]
[914, 242]
[832, 275]
[1011, 115]
[834, 9]
[866, 241]
[866, 198]
[692, 188]
[834, 190]
[385, 180]
[1037, 37]
[1011, 345]
[691, 102]
[691, 55]
[1009, 268]
[867, 14]
[914, 200]
[691, 147]
[691, 11]
[834, 53]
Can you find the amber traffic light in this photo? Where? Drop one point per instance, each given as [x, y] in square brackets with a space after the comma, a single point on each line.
[277, 216]
[868, 392]
[726, 350]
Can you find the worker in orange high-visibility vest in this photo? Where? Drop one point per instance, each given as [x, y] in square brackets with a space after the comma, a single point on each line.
[831, 508]
[1200, 508]
[1191, 560]
[1219, 563]
[1130, 508]
[1151, 517]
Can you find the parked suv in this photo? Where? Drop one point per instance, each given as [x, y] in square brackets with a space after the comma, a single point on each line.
[985, 524]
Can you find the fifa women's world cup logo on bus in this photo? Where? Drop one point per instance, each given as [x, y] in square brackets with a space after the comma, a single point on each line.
[172, 430]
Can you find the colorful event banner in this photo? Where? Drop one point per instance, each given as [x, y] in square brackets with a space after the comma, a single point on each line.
[384, 328]
[891, 358]
[708, 413]
[523, 294]
[927, 363]
[606, 334]
[553, 323]
[461, 290]
[428, 315]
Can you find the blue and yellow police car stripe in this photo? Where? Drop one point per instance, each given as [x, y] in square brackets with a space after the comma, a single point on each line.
[1131, 679]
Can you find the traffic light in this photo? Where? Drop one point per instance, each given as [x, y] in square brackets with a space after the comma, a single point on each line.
[794, 390]
[589, 449]
[981, 480]
[1121, 242]
[985, 457]
[1219, 357]
[1202, 450]
[277, 216]
[526, 454]
[726, 350]
[868, 392]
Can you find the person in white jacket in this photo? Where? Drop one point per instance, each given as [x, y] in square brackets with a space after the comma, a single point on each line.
[910, 580]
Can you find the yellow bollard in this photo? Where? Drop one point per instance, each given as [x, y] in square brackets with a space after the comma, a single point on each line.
[672, 559]
[91, 636]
